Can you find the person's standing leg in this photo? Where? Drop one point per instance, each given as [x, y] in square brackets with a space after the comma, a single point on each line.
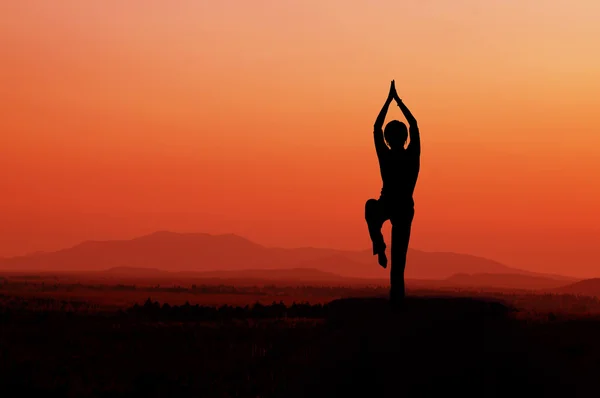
[375, 217]
[401, 226]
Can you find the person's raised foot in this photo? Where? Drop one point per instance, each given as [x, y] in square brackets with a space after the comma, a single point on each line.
[382, 259]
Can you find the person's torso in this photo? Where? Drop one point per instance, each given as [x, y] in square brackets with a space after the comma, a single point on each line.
[399, 173]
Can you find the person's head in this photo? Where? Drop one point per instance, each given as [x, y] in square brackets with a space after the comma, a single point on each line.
[395, 134]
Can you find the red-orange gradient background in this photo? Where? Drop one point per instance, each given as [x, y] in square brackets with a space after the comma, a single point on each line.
[120, 118]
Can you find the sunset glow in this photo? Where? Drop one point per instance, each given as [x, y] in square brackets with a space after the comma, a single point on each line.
[255, 118]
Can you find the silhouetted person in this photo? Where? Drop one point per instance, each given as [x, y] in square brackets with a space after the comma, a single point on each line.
[399, 171]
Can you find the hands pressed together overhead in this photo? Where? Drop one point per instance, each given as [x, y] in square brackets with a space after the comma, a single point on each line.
[393, 95]
[412, 122]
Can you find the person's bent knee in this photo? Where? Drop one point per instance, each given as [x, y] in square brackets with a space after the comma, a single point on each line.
[370, 208]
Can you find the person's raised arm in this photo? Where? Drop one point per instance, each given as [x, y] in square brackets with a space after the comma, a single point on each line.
[378, 127]
[415, 139]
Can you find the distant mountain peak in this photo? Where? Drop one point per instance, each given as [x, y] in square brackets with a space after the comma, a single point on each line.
[171, 234]
[134, 270]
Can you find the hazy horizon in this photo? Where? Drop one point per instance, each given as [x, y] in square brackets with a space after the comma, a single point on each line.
[176, 248]
[359, 249]
[256, 119]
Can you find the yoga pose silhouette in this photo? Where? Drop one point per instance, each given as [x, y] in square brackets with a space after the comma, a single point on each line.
[399, 168]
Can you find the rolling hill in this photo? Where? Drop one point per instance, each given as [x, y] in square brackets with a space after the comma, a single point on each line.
[586, 287]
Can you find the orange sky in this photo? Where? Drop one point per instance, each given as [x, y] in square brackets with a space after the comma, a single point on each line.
[255, 117]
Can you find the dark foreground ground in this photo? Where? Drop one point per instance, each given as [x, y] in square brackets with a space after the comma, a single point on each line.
[349, 347]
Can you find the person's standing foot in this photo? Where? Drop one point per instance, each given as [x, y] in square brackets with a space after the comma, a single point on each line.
[397, 299]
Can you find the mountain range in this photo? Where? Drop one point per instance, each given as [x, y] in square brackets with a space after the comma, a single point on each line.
[201, 252]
